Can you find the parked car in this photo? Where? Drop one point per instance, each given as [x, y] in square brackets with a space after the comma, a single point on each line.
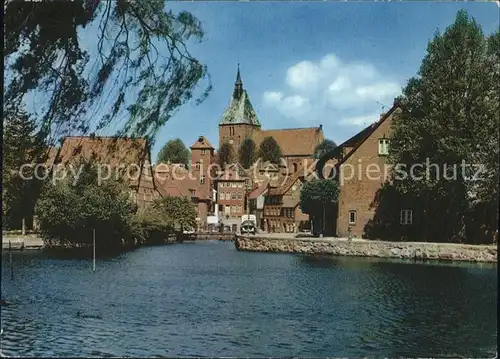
[188, 231]
[247, 227]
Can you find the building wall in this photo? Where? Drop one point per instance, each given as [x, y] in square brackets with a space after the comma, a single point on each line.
[358, 193]
[296, 162]
[301, 219]
[204, 158]
[225, 187]
[202, 212]
[146, 191]
[235, 134]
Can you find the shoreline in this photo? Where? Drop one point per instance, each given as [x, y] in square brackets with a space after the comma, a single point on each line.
[422, 251]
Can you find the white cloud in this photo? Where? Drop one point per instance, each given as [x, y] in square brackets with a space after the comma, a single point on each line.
[362, 121]
[272, 97]
[340, 83]
[378, 91]
[295, 105]
[332, 90]
[303, 76]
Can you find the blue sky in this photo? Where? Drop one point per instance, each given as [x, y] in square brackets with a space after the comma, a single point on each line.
[310, 63]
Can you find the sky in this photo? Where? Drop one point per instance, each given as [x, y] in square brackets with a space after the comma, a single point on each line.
[305, 64]
[309, 63]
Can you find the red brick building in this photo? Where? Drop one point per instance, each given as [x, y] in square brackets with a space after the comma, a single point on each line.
[282, 212]
[196, 184]
[232, 188]
[240, 121]
[361, 171]
[126, 158]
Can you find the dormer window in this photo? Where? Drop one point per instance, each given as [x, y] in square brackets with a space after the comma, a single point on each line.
[383, 146]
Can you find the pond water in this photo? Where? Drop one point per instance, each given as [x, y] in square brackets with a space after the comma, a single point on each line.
[208, 299]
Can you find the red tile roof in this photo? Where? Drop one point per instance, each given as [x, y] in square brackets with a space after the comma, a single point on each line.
[293, 141]
[202, 143]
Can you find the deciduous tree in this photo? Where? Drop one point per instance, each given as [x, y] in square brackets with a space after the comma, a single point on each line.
[247, 153]
[450, 117]
[226, 154]
[324, 147]
[174, 152]
[269, 150]
[102, 64]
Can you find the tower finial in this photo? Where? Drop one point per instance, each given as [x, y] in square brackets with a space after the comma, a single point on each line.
[238, 76]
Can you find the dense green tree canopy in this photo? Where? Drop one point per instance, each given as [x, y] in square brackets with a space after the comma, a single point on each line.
[318, 193]
[269, 150]
[174, 152]
[247, 153]
[181, 211]
[21, 145]
[324, 147]
[103, 64]
[450, 116]
[71, 209]
[226, 154]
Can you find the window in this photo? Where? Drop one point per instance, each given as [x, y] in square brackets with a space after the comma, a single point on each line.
[240, 195]
[228, 196]
[202, 152]
[197, 165]
[383, 146]
[233, 195]
[294, 167]
[233, 185]
[352, 217]
[406, 216]
[233, 209]
[202, 179]
[240, 209]
[240, 185]
[227, 209]
[193, 192]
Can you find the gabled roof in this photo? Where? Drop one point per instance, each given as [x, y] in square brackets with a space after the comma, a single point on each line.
[259, 190]
[114, 151]
[240, 109]
[284, 187]
[202, 143]
[355, 142]
[173, 180]
[293, 141]
[373, 127]
[233, 172]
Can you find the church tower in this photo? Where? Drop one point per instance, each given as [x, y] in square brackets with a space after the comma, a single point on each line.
[239, 120]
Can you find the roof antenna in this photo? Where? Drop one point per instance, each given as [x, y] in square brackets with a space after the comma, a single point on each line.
[382, 105]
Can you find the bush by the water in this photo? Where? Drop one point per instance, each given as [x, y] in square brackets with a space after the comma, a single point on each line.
[167, 216]
[70, 210]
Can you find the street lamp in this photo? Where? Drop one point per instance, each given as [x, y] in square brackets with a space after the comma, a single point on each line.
[247, 198]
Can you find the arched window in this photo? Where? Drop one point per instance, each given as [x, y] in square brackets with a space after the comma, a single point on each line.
[294, 167]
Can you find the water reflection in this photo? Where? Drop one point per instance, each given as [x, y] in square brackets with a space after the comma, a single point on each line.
[209, 299]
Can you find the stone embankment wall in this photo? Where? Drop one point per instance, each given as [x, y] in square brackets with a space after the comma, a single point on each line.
[365, 248]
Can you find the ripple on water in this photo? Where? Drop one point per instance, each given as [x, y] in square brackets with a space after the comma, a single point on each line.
[209, 299]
